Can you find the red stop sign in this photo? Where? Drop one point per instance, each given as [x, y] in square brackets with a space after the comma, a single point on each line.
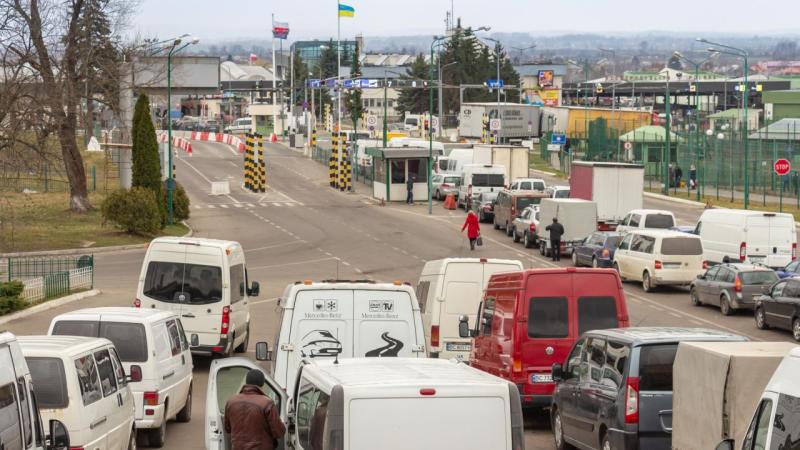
[782, 166]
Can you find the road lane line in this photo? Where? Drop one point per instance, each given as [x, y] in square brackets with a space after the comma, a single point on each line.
[266, 300]
[271, 246]
[224, 206]
[310, 261]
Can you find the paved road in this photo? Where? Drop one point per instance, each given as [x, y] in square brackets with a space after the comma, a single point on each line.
[301, 229]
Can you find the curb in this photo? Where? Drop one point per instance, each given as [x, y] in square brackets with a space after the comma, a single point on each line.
[673, 199]
[48, 305]
[87, 250]
[543, 172]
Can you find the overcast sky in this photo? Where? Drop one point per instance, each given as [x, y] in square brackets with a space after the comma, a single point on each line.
[229, 19]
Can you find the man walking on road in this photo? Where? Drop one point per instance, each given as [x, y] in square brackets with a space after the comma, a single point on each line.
[251, 418]
[410, 189]
[556, 231]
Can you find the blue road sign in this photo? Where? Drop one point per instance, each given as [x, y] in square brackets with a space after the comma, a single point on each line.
[495, 83]
[348, 84]
[558, 139]
[314, 83]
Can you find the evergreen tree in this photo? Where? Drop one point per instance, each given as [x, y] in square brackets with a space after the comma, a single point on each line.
[353, 103]
[415, 99]
[300, 73]
[146, 165]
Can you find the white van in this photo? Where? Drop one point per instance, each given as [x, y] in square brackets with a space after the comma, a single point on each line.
[748, 236]
[205, 282]
[776, 421]
[639, 219]
[336, 320]
[155, 352]
[657, 257]
[80, 381]
[400, 404]
[453, 287]
[226, 377]
[481, 178]
[21, 426]
[240, 126]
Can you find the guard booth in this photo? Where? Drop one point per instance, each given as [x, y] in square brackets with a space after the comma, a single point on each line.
[392, 167]
[262, 118]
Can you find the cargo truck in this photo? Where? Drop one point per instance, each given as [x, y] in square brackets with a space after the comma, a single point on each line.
[617, 188]
[578, 217]
[517, 121]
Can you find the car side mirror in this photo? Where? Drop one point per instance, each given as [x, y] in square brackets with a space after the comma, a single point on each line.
[766, 290]
[59, 436]
[557, 372]
[463, 327]
[255, 289]
[262, 352]
[727, 444]
[135, 374]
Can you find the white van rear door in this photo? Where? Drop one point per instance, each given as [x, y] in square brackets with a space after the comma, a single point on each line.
[769, 239]
[383, 324]
[225, 379]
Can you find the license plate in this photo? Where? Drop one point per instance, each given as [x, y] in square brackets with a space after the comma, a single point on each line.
[541, 378]
[457, 347]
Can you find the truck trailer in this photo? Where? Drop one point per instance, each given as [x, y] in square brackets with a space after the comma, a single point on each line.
[617, 188]
[517, 121]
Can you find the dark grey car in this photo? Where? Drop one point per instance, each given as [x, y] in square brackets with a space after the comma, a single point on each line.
[731, 286]
[615, 388]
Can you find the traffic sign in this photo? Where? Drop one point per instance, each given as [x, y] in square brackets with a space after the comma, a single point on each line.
[495, 83]
[558, 139]
[782, 166]
[495, 125]
[372, 122]
[435, 123]
[628, 145]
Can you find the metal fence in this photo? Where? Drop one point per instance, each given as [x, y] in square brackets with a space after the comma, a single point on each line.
[42, 180]
[31, 267]
[49, 277]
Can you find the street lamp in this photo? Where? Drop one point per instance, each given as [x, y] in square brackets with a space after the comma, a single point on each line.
[614, 85]
[741, 53]
[174, 48]
[520, 50]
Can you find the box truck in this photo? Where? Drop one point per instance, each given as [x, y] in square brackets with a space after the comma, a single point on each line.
[617, 188]
[578, 216]
[517, 121]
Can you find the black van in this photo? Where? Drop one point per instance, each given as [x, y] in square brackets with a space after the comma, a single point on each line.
[615, 388]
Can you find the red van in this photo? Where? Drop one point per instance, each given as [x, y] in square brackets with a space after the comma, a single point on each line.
[529, 320]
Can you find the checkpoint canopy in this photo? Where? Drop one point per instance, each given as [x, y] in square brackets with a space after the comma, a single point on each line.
[392, 167]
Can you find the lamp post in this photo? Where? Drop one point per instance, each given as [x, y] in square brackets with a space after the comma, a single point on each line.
[173, 49]
[734, 51]
[613, 85]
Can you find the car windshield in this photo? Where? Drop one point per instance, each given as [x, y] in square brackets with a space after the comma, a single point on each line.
[129, 338]
[758, 277]
[490, 197]
[524, 202]
[613, 241]
[183, 283]
[562, 193]
[487, 180]
[49, 382]
[452, 180]
[681, 246]
[659, 221]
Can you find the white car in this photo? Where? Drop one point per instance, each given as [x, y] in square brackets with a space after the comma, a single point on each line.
[449, 288]
[640, 219]
[444, 184]
[526, 226]
[81, 382]
[240, 126]
[204, 281]
[528, 184]
[558, 191]
[659, 257]
[155, 352]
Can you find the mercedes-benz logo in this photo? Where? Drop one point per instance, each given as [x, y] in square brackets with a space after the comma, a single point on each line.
[549, 351]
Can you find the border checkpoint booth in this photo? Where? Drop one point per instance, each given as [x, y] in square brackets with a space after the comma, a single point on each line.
[392, 167]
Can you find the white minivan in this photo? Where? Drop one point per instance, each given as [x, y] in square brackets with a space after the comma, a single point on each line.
[453, 287]
[647, 218]
[155, 353]
[21, 425]
[400, 404]
[480, 178]
[204, 281]
[344, 319]
[81, 382]
[748, 236]
[659, 257]
[776, 421]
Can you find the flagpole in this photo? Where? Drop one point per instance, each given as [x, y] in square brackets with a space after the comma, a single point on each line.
[338, 71]
[274, 82]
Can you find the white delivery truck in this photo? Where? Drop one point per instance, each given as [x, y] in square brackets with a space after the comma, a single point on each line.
[401, 404]
[480, 178]
[517, 121]
[515, 158]
[449, 288]
[716, 387]
[578, 216]
[617, 188]
[748, 236]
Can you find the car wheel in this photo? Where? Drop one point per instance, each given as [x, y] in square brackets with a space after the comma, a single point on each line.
[725, 306]
[575, 258]
[185, 414]
[616, 267]
[508, 230]
[606, 442]
[517, 237]
[541, 248]
[694, 297]
[132, 440]
[594, 262]
[761, 319]
[243, 346]
[158, 436]
[482, 217]
[558, 432]
[796, 328]
[526, 241]
[496, 225]
[647, 282]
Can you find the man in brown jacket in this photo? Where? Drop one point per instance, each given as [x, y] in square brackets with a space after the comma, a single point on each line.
[251, 418]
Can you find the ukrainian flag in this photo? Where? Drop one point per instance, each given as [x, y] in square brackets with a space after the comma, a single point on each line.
[346, 11]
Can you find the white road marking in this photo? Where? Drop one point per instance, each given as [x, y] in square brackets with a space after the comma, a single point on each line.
[272, 246]
[211, 206]
[238, 205]
[309, 261]
[266, 300]
[224, 206]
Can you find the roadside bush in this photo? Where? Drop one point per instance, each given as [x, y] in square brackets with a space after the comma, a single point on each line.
[135, 211]
[10, 300]
[180, 202]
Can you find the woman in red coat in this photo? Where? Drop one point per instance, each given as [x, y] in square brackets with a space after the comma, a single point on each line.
[473, 227]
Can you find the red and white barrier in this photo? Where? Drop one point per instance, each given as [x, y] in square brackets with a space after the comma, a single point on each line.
[229, 139]
[178, 142]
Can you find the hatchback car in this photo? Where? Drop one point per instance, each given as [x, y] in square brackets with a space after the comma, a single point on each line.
[526, 226]
[731, 286]
[483, 205]
[779, 307]
[597, 250]
[444, 184]
[791, 269]
[614, 389]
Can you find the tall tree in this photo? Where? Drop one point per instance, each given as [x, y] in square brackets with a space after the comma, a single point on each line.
[146, 166]
[415, 99]
[353, 103]
[300, 74]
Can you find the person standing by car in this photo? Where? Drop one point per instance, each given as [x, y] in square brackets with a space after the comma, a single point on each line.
[468, 200]
[410, 189]
[556, 231]
[251, 418]
[473, 227]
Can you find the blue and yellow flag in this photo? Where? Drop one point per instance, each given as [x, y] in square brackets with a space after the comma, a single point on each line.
[346, 11]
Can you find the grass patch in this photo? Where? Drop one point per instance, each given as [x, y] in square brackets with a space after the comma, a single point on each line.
[756, 204]
[537, 163]
[35, 222]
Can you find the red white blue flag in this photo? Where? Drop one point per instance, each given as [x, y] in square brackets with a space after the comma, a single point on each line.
[280, 30]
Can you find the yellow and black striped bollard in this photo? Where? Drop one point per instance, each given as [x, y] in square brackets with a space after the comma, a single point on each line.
[333, 161]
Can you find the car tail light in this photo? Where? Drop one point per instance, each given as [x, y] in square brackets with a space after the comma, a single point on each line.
[605, 253]
[517, 365]
[742, 251]
[151, 398]
[632, 400]
[705, 265]
[658, 265]
[513, 211]
[533, 228]
[137, 303]
[794, 251]
[434, 335]
[427, 391]
[445, 185]
[76, 448]
[226, 320]
[737, 286]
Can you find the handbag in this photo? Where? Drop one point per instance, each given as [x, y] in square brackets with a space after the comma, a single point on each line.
[479, 241]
